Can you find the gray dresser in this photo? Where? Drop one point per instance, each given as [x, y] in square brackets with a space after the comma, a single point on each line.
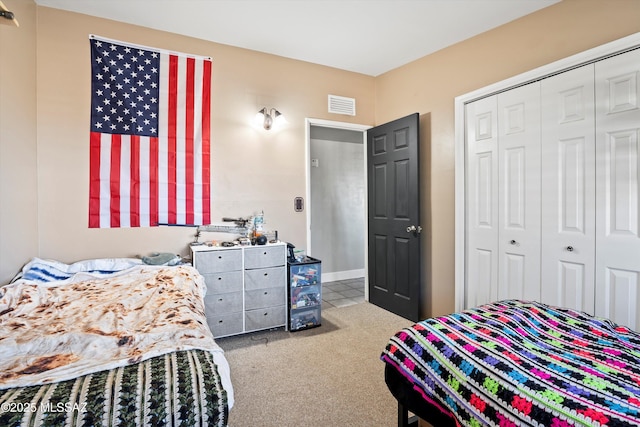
[246, 287]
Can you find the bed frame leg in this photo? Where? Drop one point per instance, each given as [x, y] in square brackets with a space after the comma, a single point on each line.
[403, 417]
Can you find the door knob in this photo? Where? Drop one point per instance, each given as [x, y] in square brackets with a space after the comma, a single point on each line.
[570, 248]
[414, 229]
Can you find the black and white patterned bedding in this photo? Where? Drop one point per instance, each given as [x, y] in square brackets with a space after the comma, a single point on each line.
[181, 388]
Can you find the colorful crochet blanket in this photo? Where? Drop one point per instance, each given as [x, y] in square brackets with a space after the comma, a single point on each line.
[517, 363]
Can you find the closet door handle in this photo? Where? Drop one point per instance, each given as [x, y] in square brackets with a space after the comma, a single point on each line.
[570, 248]
[513, 242]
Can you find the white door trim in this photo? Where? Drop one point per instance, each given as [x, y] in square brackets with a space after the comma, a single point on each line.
[591, 55]
[307, 169]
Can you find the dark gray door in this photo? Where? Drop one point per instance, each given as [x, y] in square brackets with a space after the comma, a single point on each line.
[394, 216]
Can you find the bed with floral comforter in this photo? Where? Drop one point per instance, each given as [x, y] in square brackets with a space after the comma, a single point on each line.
[103, 346]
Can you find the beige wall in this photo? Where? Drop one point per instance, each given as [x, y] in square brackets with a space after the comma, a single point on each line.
[252, 169]
[18, 188]
[430, 84]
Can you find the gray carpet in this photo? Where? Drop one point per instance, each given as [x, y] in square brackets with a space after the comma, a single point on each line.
[327, 376]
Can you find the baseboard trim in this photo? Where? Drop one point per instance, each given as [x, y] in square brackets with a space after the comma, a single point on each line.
[342, 275]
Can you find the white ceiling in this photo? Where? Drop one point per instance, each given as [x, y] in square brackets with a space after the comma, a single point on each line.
[365, 36]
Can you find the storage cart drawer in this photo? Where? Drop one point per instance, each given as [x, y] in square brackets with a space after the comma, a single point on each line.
[222, 283]
[260, 298]
[265, 318]
[265, 278]
[223, 303]
[218, 260]
[303, 319]
[225, 324]
[265, 256]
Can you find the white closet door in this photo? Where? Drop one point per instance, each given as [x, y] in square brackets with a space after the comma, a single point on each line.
[568, 189]
[617, 188]
[482, 202]
[519, 193]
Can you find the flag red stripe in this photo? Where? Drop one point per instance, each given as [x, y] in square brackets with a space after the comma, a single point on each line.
[134, 182]
[172, 112]
[153, 181]
[189, 136]
[206, 153]
[94, 180]
[116, 147]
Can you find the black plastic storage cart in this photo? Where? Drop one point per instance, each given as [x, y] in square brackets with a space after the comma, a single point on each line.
[305, 293]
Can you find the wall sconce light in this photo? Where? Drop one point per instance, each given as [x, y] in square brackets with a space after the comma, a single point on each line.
[269, 117]
[9, 17]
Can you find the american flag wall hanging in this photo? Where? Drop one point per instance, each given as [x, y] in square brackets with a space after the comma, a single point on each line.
[150, 136]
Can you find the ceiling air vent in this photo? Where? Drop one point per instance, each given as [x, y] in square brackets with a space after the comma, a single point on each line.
[342, 105]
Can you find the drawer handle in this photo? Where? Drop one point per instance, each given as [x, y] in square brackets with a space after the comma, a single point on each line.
[219, 299]
[265, 292]
[264, 253]
[266, 314]
[219, 256]
[266, 274]
[219, 278]
[219, 321]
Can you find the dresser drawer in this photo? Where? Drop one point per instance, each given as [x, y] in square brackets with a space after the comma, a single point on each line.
[261, 298]
[222, 283]
[264, 278]
[225, 324]
[216, 261]
[266, 256]
[265, 318]
[223, 303]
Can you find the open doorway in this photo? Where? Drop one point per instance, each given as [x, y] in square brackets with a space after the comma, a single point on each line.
[336, 208]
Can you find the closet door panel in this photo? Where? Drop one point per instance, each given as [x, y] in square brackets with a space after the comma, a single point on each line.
[568, 193]
[482, 202]
[618, 185]
[519, 193]
[621, 290]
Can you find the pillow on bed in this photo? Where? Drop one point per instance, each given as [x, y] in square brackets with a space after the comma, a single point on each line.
[162, 258]
[44, 270]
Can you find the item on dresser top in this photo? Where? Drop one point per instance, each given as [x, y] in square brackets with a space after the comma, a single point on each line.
[258, 224]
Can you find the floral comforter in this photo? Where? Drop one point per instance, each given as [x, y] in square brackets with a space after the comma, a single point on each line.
[90, 342]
